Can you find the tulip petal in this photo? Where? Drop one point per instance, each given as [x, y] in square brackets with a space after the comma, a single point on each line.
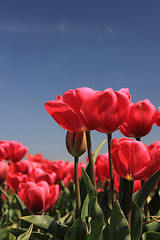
[151, 167]
[98, 108]
[64, 115]
[120, 114]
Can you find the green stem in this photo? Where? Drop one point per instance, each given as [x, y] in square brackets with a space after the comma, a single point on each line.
[138, 138]
[146, 207]
[90, 157]
[112, 189]
[77, 189]
[126, 201]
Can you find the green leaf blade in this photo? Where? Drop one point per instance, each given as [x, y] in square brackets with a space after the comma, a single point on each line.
[27, 234]
[94, 210]
[151, 236]
[141, 196]
[47, 224]
[78, 231]
[119, 224]
[136, 222]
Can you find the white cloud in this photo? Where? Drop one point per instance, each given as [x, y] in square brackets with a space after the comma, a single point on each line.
[110, 30]
[18, 27]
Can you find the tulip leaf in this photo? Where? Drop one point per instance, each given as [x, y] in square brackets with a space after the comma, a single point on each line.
[47, 224]
[82, 184]
[154, 204]
[22, 207]
[151, 235]
[141, 196]
[78, 231]
[136, 222]
[89, 186]
[102, 201]
[27, 234]
[153, 225]
[84, 212]
[95, 154]
[6, 195]
[34, 235]
[4, 233]
[118, 223]
[106, 233]
[94, 210]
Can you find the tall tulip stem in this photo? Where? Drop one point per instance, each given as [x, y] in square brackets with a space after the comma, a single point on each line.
[126, 201]
[77, 189]
[109, 135]
[90, 157]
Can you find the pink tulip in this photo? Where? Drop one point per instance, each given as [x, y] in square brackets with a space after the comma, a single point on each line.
[3, 146]
[15, 151]
[140, 119]
[102, 168]
[18, 173]
[38, 197]
[82, 109]
[38, 174]
[134, 160]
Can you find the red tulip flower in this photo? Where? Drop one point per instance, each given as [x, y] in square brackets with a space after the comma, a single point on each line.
[157, 122]
[141, 117]
[18, 173]
[3, 171]
[134, 160]
[15, 151]
[59, 167]
[38, 197]
[120, 114]
[82, 109]
[3, 153]
[102, 168]
[38, 174]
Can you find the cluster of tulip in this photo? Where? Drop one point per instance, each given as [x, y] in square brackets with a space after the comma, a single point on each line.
[84, 110]
[129, 163]
[106, 111]
[36, 177]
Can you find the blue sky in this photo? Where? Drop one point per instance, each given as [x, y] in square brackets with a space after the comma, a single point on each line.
[48, 47]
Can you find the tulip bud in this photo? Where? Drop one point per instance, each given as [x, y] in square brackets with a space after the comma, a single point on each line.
[76, 143]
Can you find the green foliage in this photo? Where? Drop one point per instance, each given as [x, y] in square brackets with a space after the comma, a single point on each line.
[118, 224]
[4, 233]
[34, 235]
[136, 222]
[94, 210]
[99, 221]
[47, 224]
[26, 235]
[117, 228]
[151, 236]
[141, 196]
[82, 183]
[78, 231]
[22, 207]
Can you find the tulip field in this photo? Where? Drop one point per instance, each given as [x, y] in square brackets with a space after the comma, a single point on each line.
[112, 196]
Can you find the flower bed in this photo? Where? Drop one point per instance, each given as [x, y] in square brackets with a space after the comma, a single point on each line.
[112, 196]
